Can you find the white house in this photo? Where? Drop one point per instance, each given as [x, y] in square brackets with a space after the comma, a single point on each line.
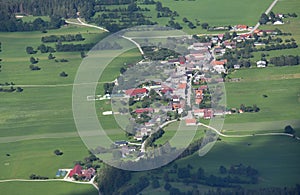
[278, 22]
[236, 66]
[219, 68]
[261, 64]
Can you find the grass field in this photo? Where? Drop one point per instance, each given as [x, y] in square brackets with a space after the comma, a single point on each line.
[282, 102]
[39, 111]
[47, 188]
[217, 12]
[275, 158]
[37, 156]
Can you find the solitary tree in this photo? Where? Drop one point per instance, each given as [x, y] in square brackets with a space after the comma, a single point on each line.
[33, 60]
[289, 129]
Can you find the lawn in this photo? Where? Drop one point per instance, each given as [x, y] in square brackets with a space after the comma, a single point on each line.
[47, 188]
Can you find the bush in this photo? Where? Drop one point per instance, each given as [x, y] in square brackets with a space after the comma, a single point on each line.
[63, 74]
[289, 129]
[58, 152]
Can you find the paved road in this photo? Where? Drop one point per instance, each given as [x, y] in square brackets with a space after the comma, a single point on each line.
[266, 12]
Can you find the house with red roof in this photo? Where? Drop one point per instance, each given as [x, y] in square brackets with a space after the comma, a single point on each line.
[75, 171]
[203, 87]
[136, 92]
[181, 85]
[218, 62]
[208, 114]
[142, 110]
[190, 122]
[88, 173]
[166, 89]
[181, 60]
[198, 96]
[241, 27]
[176, 106]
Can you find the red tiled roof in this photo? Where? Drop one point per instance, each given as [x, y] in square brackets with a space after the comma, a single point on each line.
[76, 170]
[176, 105]
[182, 86]
[165, 89]
[220, 62]
[203, 87]
[190, 121]
[142, 110]
[208, 113]
[241, 26]
[199, 111]
[137, 91]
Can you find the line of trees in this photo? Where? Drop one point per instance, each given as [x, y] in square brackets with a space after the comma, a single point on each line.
[73, 47]
[62, 38]
[253, 108]
[11, 24]
[288, 60]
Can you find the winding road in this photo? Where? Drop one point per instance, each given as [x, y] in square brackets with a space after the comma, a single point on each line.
[247, 135]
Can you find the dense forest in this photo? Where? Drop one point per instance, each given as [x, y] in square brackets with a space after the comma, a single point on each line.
[58, 9]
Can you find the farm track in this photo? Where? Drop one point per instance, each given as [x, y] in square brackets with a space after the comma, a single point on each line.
[248, 135]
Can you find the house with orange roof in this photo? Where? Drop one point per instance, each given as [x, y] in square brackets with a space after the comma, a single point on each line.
[182, 86]
[190, 122]
[218, 62]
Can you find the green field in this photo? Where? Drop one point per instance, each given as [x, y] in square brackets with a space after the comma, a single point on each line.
[39, 120]
[275, 158]
[37, 156]
[217, 12]
[47, 188]
[42, 110]
[280, 84]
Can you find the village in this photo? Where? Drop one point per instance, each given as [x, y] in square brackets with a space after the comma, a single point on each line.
[185, 93]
